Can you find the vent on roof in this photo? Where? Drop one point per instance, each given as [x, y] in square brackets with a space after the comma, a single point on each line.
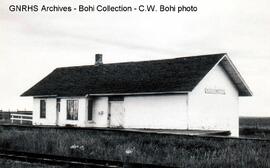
[98, 59]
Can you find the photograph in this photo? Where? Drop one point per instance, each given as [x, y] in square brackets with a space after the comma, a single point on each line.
[134, 84]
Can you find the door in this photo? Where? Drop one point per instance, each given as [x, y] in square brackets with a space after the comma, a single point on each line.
[116, 118]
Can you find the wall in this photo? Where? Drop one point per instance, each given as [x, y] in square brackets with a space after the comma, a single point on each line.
[50, 112]
[214, 111]
[158, 111]
[82, 112]
[100, 112]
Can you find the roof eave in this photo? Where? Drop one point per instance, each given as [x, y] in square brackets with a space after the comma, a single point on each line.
[236, 77]
[38, 96]
[138, 93]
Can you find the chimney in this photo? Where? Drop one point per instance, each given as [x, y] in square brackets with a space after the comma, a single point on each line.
[98, 59]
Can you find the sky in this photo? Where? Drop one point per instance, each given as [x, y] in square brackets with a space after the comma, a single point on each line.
[32, 44]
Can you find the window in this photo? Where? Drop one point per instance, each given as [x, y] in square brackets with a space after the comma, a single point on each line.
[42, 109]
[58, 105]
[90, 109]
[72, 109]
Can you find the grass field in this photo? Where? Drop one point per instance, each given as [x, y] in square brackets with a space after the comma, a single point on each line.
[255, 127]
[134, 147]
[128, 147]
[255, 122]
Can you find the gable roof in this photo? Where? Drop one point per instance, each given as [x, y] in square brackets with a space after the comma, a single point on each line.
[168, 75]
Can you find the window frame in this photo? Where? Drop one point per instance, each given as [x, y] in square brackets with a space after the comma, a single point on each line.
[75, 110]
[90, 109]
[58, 105]
[42, 108]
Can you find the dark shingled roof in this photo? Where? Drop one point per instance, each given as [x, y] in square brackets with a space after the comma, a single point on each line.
[179, 74]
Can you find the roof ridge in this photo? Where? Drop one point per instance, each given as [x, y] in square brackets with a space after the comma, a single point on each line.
[128, 62]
